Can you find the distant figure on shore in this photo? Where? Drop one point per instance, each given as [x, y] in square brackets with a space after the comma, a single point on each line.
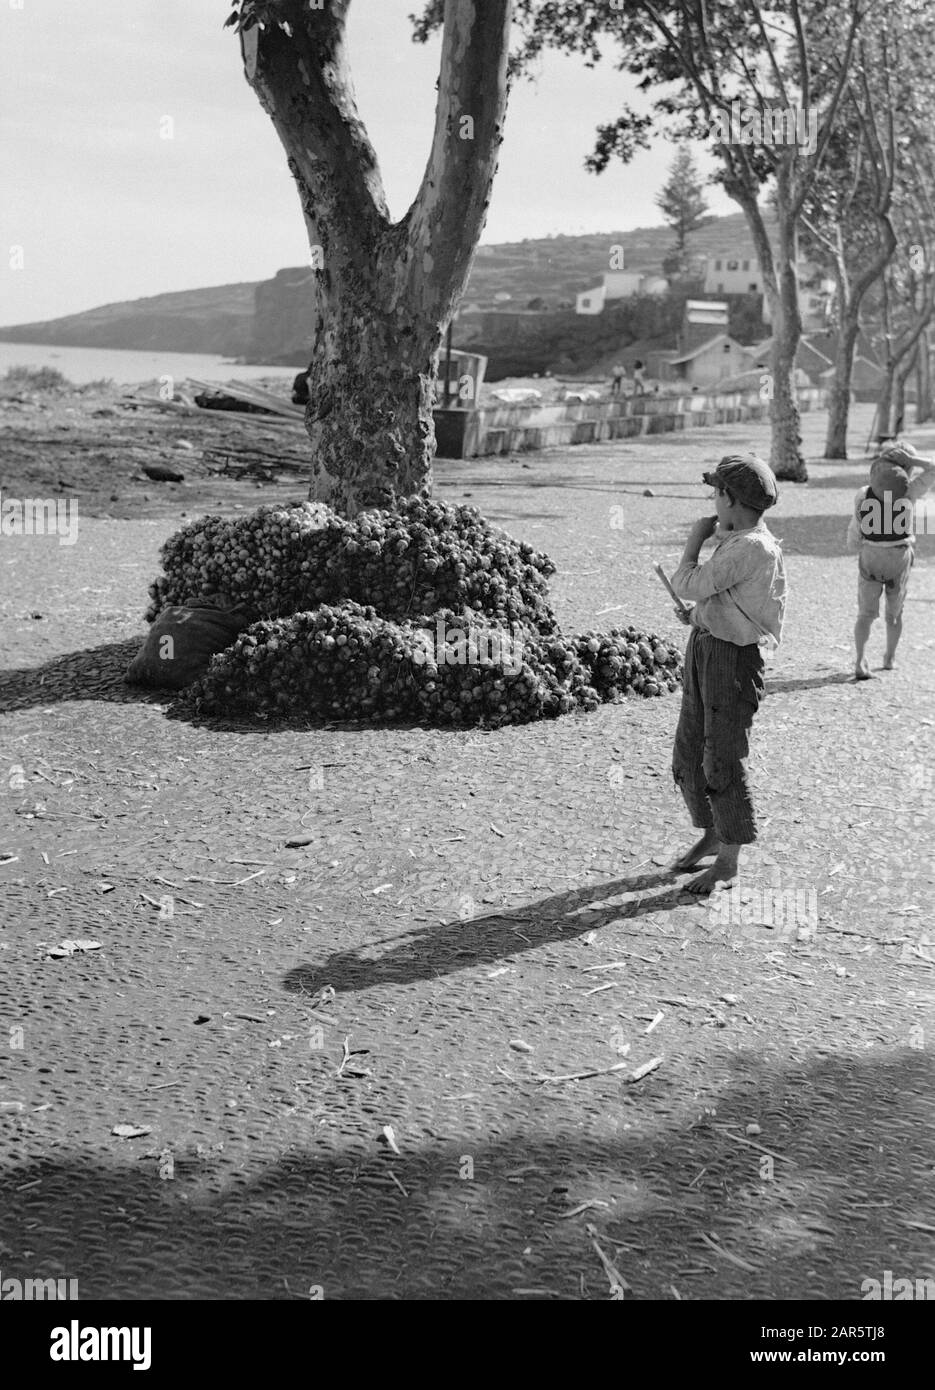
[300, 388]
[617, 378]
[639, 388]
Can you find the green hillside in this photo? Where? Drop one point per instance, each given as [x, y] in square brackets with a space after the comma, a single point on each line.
[267, 321]
[558, 268]
[216, 320]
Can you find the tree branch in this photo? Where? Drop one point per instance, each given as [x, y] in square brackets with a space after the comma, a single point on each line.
[442, 227]
[303, 82]
[780, 85]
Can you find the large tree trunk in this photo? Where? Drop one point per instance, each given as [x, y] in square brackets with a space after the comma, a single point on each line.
[899, 361]
[924, 381]
[903, 372]
[839, 403]
[885, 406]
[786, 458]
[891, 410]
[370, 413]
[850, 301]
[384, 291]
[780, 285]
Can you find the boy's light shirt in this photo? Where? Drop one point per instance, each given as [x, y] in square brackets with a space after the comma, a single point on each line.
[740, 592]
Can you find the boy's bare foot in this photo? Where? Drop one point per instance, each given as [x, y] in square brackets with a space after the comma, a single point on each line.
[889, 663]
[723, 870]
[708, 844]
[862, 671]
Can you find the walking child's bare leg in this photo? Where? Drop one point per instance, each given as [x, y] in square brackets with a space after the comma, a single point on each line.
[862, 627]
[894, 628]
[708, 844]
[723, 870]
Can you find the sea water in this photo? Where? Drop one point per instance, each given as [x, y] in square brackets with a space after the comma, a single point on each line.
[81, 365]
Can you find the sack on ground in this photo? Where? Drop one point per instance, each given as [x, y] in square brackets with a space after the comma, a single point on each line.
[183, 639]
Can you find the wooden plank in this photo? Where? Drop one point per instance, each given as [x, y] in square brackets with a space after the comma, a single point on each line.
[279, 402]
[250, 396]
[274, 422]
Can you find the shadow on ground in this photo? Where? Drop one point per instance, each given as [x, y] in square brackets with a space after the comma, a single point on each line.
[96, 673]
[467, 1219]
[853, 474]
[444, 948]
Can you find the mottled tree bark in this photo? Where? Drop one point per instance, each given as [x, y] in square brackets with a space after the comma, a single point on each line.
[924, 380]
[384, 291]
[780, 284]
[786, 459]
[839, 399]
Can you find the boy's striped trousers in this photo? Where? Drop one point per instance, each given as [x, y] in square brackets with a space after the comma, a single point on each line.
[722, 685]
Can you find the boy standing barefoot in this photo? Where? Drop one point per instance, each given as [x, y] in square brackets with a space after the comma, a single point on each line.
[739, 599]
[881, 531]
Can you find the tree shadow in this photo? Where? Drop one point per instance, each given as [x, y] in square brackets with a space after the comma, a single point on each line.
[94, 673]
[97, 673]
[851, 475]
[464, 1216]
[823, 536]
[446, 947]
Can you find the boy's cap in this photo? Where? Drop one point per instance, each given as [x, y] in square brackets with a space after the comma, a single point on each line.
[748, 478]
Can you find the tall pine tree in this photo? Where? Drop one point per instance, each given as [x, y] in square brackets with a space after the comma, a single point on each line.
[682, 203]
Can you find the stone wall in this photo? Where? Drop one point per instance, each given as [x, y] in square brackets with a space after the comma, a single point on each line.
[509, 429]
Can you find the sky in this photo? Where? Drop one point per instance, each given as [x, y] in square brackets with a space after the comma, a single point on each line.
[135, 159]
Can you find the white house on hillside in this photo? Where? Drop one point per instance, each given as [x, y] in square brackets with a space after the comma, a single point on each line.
[731, 274]
[734, 274]
[619, 284]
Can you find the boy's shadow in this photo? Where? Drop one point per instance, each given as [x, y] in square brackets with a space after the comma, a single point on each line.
[809, 683]
[425, 953]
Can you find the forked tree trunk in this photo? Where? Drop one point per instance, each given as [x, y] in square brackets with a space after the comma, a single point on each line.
[384, 291]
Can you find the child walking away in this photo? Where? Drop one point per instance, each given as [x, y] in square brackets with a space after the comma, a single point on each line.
[882, 533]
[639, 386]
[738, 601]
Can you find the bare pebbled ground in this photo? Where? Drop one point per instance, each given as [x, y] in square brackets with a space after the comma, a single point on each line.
[344, 1054]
